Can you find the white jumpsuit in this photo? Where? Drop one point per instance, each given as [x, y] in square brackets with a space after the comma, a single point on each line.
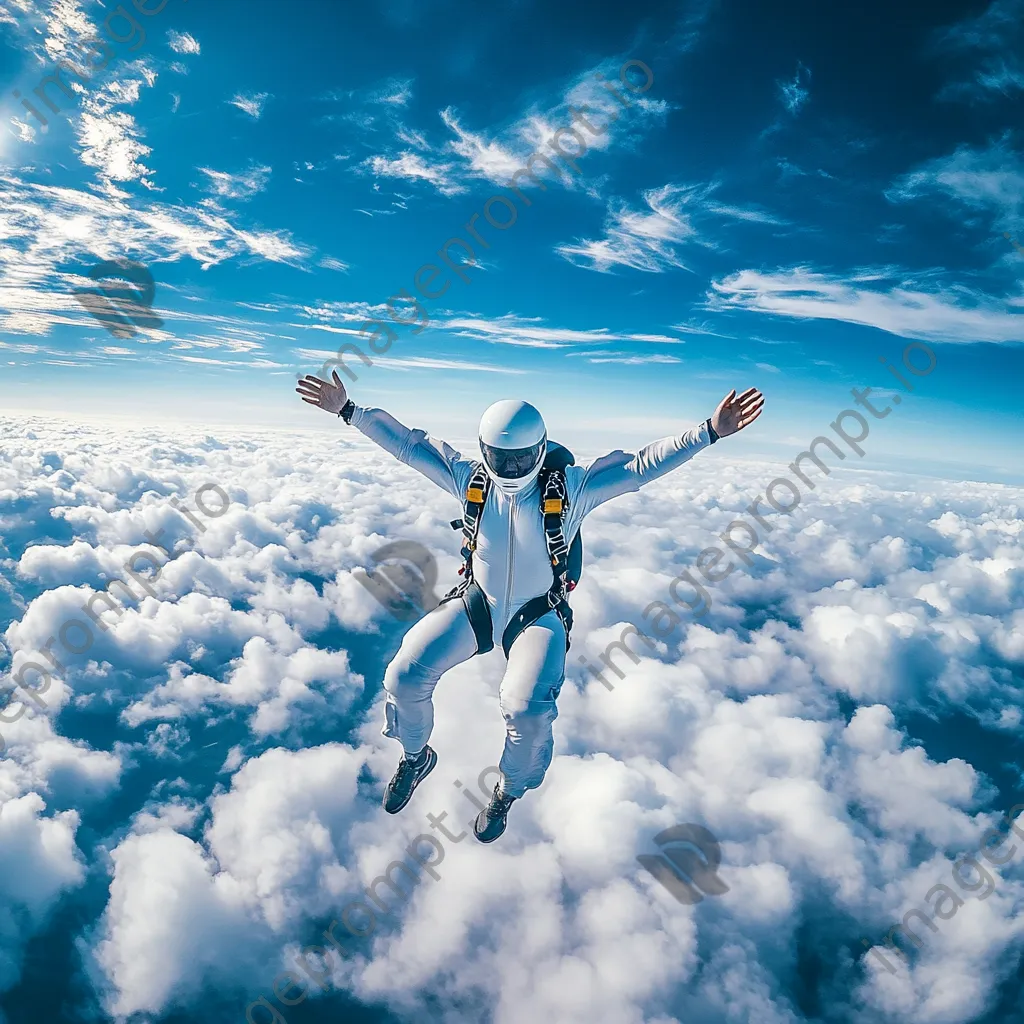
[511, 566]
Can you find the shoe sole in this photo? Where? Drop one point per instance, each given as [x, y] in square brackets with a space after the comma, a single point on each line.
[431, 763]
[480, 838]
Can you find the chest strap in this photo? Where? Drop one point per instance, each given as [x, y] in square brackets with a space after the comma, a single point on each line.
[468, 590]
[554, 503]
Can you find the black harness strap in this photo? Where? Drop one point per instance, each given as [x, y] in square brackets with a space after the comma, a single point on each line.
[469, 590]
[479, 617]
[529, 614]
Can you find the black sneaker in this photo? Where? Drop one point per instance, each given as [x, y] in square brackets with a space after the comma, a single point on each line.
[490, 822]
[407, 777]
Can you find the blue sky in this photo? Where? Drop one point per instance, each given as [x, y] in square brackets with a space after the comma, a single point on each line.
[800, 192]
[805, 189]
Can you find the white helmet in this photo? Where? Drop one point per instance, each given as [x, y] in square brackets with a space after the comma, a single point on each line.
[513, 440]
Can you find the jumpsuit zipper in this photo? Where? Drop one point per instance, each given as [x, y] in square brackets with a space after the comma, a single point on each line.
[511, 554]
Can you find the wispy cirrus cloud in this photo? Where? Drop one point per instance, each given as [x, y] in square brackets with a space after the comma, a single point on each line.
[530, 332]
[182, 42]
[427, 363]
[992, 44]
[330, 263]
[795, 92]
[701, 328]
[644, 239]
[649, 238]
[250, 103]
[252, 364]
[633, 360]
[989, 180]
[485, 157]
[394, 93]
[525, 332]
[56, 32]
[243, 185]
[496, 152]
[872, 299]
[414, 362]
[995, 76]
[752, 214]
[50, 228]
[414, 167]
[111, 142]
[412, 138]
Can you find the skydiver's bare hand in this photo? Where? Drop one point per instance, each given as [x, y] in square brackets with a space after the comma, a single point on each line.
[734, 413]
[323, 394]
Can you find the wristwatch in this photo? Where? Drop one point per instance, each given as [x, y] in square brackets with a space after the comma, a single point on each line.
[712, 433]
[346, 411]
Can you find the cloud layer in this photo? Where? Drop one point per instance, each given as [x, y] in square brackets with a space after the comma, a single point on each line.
[221, 744]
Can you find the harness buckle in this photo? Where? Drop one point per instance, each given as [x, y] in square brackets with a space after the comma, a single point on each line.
[475, 495]
[552, 506]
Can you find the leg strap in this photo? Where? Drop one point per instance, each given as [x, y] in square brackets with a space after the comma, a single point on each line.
[529, 614]
[479, 617]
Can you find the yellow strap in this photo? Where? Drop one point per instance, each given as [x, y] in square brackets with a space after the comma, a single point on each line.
[475, 494]
[552, 505]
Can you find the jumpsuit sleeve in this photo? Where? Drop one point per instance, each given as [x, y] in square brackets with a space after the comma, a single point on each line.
[621, 472]
[436, 460]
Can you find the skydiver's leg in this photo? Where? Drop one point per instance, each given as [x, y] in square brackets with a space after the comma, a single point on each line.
[441, 640]
[533, 679]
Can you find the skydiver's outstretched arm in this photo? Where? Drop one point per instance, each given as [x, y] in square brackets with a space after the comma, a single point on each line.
[620, 472]
[436, 460]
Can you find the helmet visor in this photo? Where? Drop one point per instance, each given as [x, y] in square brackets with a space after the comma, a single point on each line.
[513, 463]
